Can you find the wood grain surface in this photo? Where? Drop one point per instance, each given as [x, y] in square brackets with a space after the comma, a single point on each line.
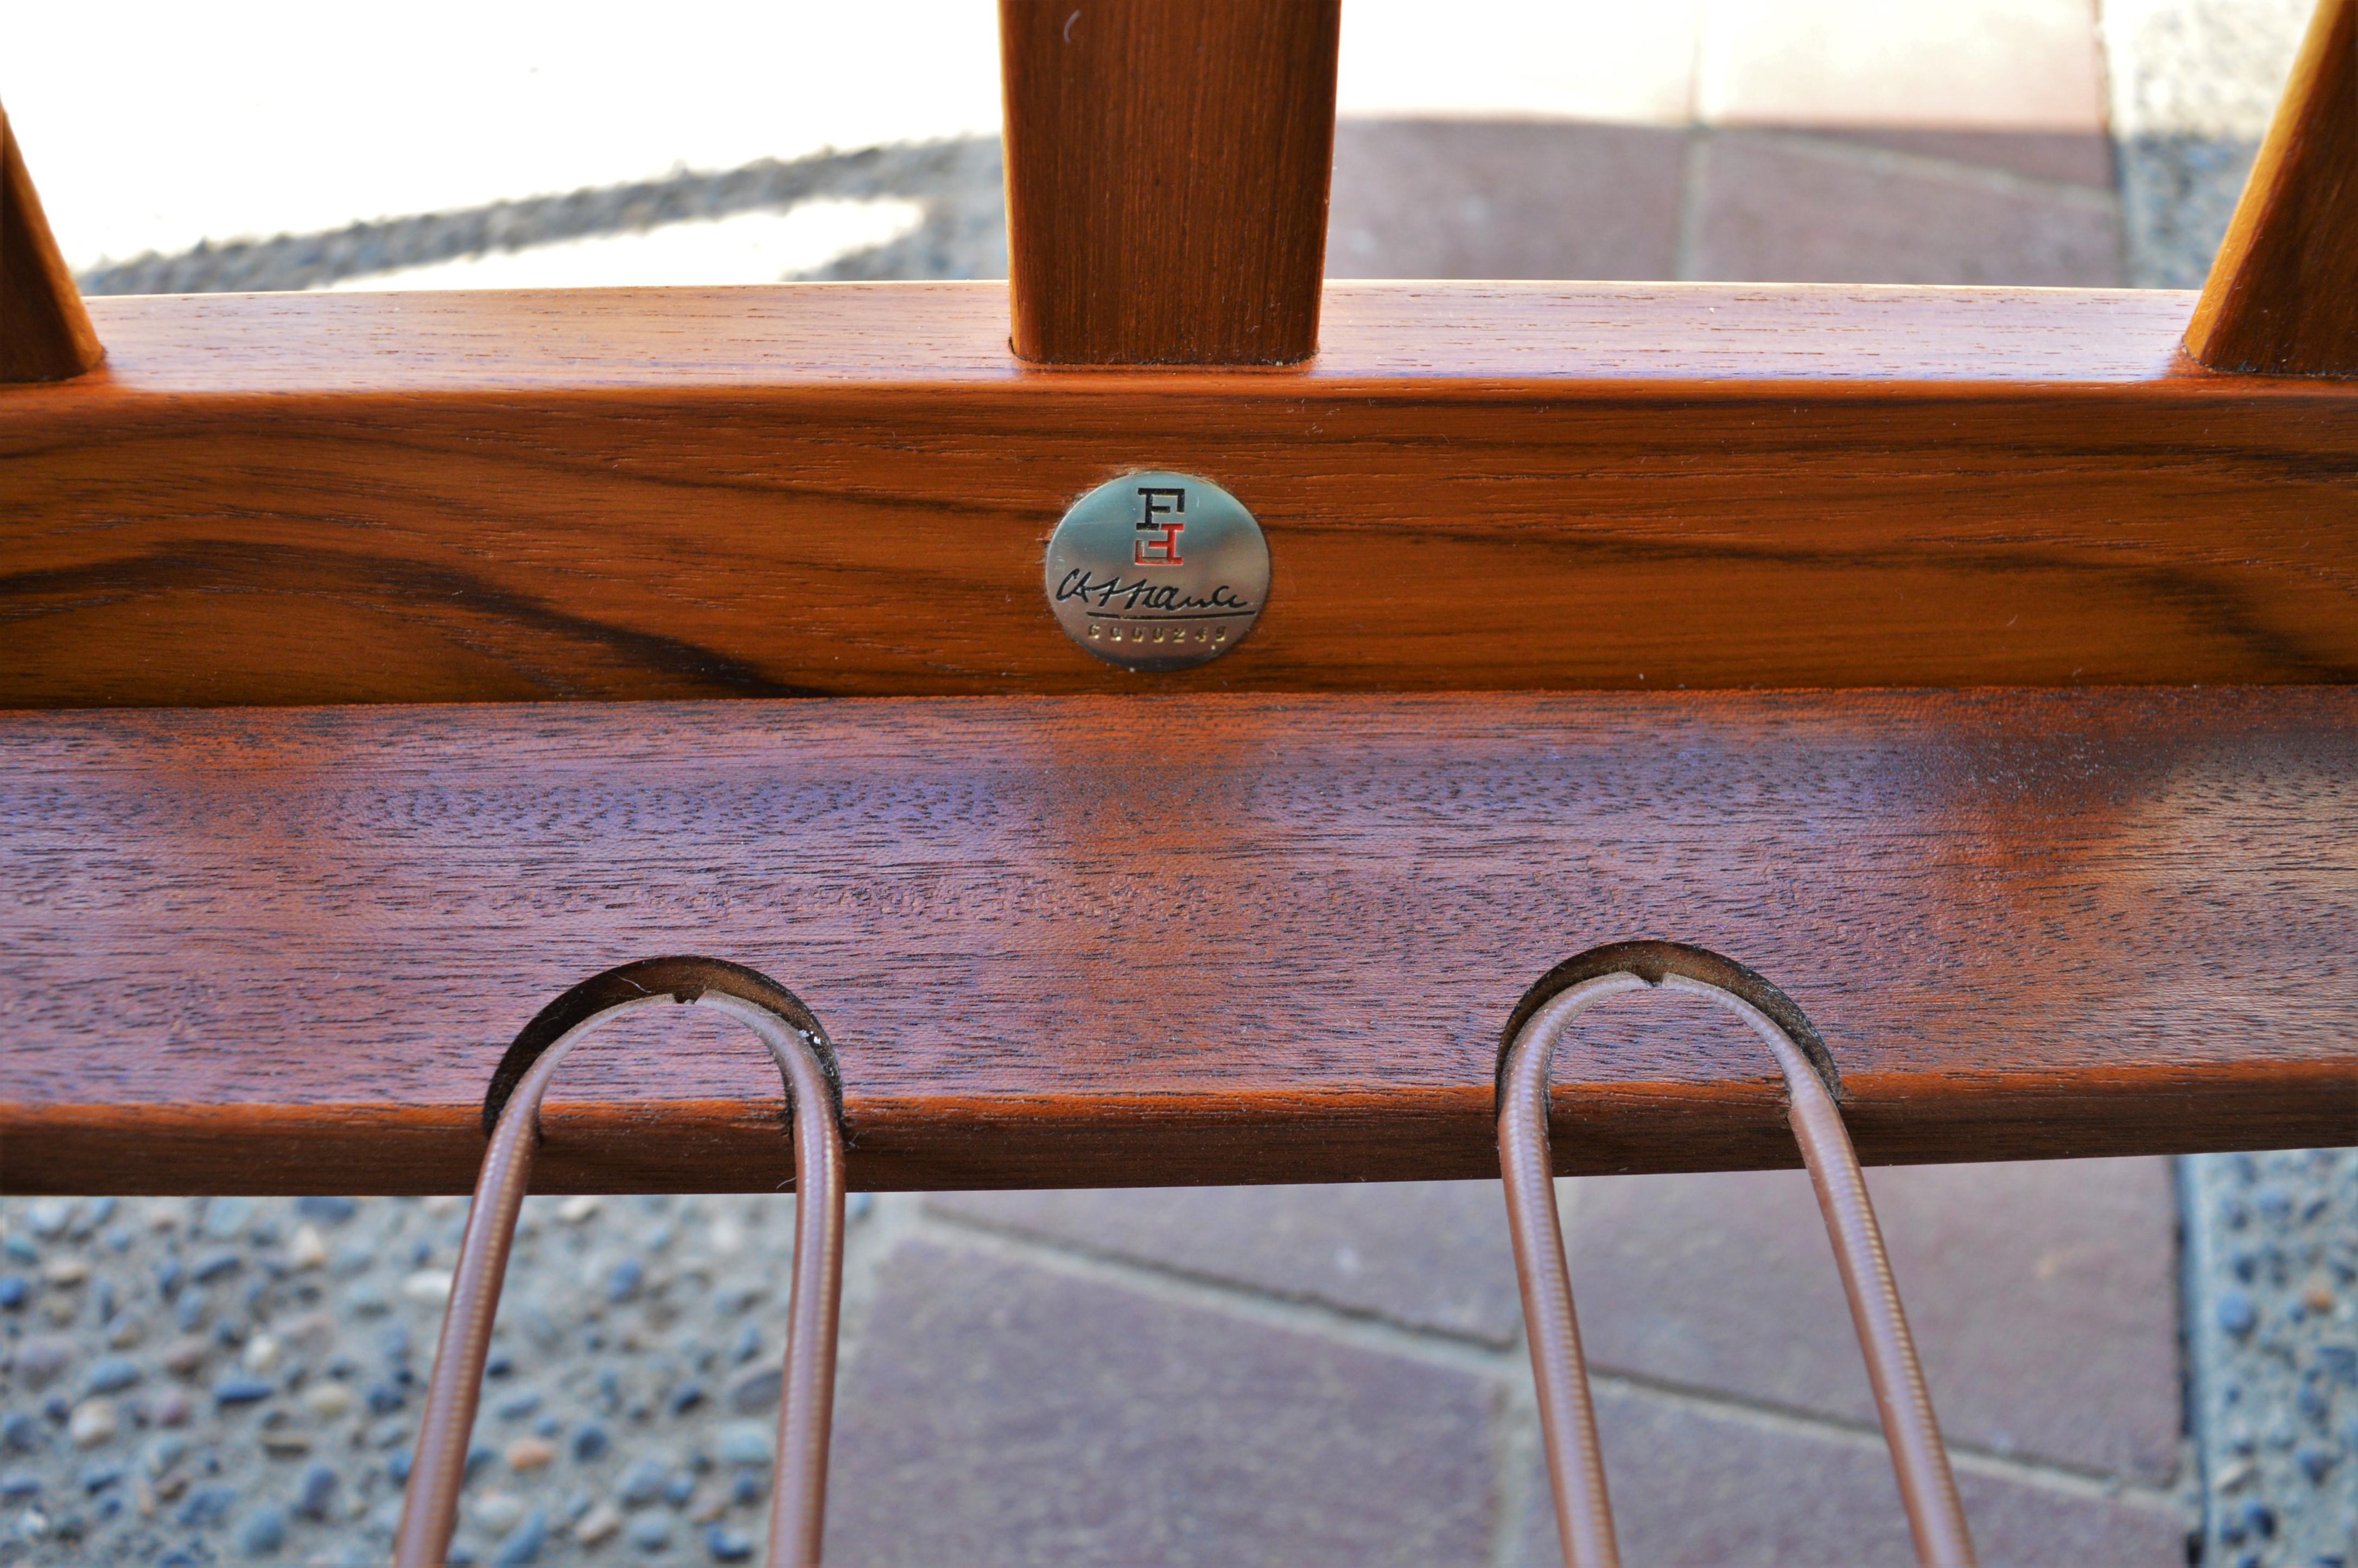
[1086, 941]
[1167, 165]
[45, 333]
[2283, 292]
[844, 489]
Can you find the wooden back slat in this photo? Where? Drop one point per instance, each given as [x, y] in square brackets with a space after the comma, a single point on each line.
[2283, 294]
[1167, 165]
[45, 333]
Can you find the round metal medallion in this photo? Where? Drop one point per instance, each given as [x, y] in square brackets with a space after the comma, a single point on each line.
[1158, 571]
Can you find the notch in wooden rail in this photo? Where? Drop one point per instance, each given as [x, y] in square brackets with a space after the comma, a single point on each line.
[2283, 295]
[1167, 171]
[45, 333]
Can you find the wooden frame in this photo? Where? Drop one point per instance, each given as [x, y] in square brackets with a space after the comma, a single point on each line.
[280, 951]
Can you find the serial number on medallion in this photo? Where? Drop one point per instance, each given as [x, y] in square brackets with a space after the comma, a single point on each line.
[1157, 571]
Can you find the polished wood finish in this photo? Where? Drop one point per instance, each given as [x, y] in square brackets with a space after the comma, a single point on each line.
[844, 489]
[1167, 165]
[1076, 941]
[2283, 293]
[45, 333]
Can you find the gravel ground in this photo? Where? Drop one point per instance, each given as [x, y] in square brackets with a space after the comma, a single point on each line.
[195, 1382]
[2272, 1328]
[2194, 85]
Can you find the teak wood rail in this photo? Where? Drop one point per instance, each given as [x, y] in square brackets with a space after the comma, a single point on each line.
[1262, 920]
[835, 489]
[1093, 941]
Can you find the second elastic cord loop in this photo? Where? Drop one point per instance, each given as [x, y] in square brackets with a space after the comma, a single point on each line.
[1567, 1417]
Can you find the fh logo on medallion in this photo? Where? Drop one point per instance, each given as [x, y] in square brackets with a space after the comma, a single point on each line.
[1155, 505]
[1156, 570]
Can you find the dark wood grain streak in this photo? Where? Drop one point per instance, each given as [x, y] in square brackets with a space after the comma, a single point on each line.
[845, 490]
[2283, 293]
[45, 333]
[1167, 165]
[1084, 941]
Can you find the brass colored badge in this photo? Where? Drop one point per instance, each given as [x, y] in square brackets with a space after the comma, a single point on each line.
[1158, 571]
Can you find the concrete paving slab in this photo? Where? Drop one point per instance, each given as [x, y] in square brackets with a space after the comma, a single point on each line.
[1433, 197]
[2084, 158]
[996, 1412]
[1716, 1488]
[1784, 208]
[1424, 1255]
[2043, 1299]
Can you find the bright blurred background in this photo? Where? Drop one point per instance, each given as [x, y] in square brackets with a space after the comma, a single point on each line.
[1996, 141]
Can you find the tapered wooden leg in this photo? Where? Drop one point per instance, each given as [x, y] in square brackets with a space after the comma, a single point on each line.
[45, 333]
[2283, 295]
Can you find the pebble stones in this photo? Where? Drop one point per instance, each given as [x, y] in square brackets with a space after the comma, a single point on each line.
[186, 1382]
[431, 1286]
[262, 1531]
[2272, 1256]
[111, 1375]
[307, 1249]
[93, 1422]
[530, 1454]
[599, 1523]
[496, 1512]
[757, 1392]
[523, 1543]
[40, 1362]
[241, 1390]
[590, 1441]
[726, 1545]
[642, 1483]
[316, 1497]
[746, 1442]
